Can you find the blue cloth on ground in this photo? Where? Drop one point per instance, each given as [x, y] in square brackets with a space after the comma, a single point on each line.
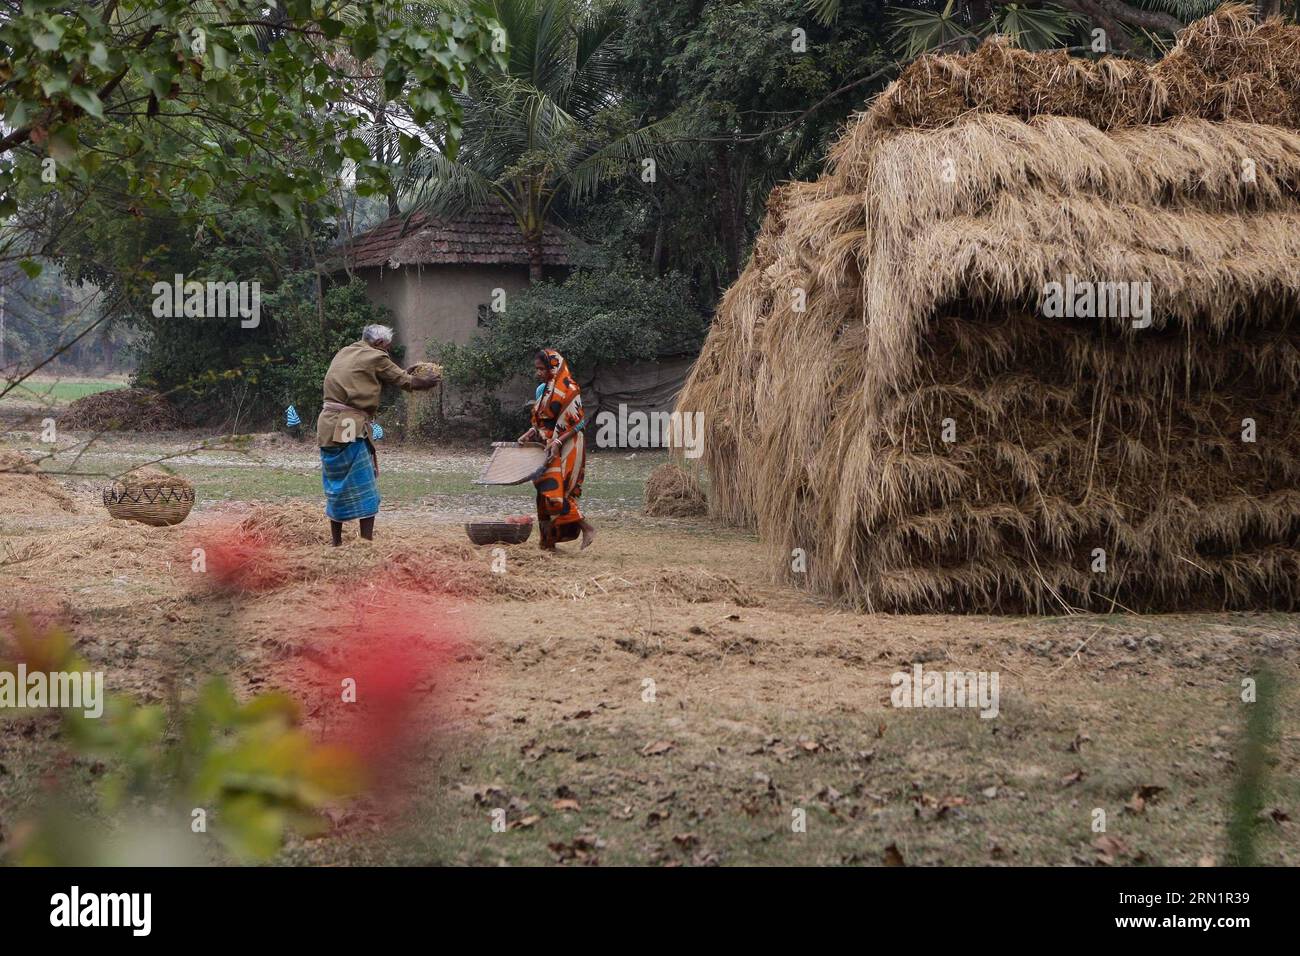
[291, 417]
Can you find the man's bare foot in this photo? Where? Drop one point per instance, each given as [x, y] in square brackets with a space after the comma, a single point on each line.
[588, 534]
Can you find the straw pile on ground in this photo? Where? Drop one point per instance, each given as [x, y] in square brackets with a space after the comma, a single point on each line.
[882, 389]
[266, 547]
[97, 552]
[673, 492]
[25, 491]
[151, 476]
[121, 409]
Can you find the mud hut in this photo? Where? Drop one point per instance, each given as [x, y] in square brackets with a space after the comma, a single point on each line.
[895, 399]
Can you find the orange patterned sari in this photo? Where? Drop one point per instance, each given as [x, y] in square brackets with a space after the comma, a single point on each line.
[558, 410]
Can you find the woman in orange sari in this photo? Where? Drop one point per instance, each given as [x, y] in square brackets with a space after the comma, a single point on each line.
[558, 421]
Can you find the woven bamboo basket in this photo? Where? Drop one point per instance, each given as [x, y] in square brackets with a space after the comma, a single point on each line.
[499, 532]
[157, 501]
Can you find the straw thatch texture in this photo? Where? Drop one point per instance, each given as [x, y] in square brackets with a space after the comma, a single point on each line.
[920, 261]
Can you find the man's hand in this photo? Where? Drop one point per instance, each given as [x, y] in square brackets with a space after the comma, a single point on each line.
[423, 382]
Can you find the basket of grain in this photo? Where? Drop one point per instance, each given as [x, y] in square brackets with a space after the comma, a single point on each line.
[150, 496]
[514, 530]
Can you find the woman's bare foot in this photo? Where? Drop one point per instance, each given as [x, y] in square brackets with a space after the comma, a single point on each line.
[588, 534]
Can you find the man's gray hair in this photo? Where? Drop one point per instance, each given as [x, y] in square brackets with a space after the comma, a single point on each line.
[374, 334]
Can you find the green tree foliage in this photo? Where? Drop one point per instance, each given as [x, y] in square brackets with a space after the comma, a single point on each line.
[954, 29]
[217, 371]
[1132, 27]
[304, 344]
[762, 87]
[254, 88]
[149, 138]
[547, 129]
[593, 318]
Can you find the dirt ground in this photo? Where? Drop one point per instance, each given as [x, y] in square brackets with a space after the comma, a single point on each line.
[656, 699]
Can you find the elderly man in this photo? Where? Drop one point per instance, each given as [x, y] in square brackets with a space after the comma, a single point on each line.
[349, 464]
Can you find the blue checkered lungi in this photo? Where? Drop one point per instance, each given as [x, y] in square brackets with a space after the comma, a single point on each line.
[348, 476]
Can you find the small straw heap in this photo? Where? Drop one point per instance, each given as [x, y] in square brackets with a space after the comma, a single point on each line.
[673, 492]
[24, 490]
[121, 409]
[882, 388]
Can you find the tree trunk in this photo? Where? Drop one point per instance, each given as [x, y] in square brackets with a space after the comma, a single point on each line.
[534, 244]
[727, 214]
[1131, 16]
[381, 123]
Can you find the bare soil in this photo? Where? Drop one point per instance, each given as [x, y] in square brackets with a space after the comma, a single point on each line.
[657, 698]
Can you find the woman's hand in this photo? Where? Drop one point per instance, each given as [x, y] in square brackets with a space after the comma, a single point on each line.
[526, 436]
[553, 447]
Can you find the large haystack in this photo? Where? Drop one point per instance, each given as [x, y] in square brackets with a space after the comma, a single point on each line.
[921, 260]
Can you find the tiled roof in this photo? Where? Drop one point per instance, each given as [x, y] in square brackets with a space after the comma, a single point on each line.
[485, 236]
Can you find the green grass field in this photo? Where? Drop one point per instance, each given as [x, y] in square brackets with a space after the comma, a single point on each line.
[61, 391]
[410, 476]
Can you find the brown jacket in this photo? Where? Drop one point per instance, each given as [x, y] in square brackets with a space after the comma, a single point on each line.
[355, 378]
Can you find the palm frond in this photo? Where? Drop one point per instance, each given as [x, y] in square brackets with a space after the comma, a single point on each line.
[1035, 28]
[597, 57]
[824, 12]
[443, 187]
[916, 31]
[1185, 10]
[659, 141]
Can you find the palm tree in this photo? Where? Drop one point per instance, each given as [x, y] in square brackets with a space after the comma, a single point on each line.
[547, 128]
[1039, 26]
[1032, 28]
